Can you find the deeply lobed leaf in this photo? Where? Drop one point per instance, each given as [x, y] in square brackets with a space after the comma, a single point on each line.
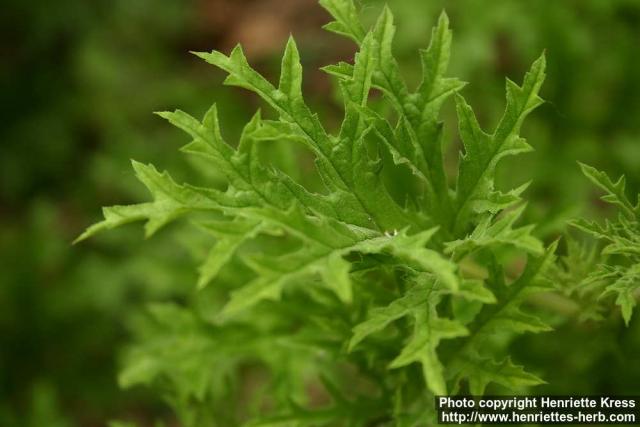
[361, 274]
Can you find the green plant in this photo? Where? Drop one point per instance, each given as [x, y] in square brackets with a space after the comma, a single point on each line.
[358, 304]
[619, 271]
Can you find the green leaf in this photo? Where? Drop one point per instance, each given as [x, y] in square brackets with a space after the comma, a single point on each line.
[474, 290]
[429, 330]
[230, 236]
[625, 285]
[291, 73]
[345, 170]
[380, 318]
[420, 302]
[387, 77]
[347, 22]
[615, 190]
[483, 151]
[482, 371]
[505, 317]
[328, 262]
[178, 346]
[171, 201]
[498, 233]
[384, 258]
[411, 249]
[621, 277]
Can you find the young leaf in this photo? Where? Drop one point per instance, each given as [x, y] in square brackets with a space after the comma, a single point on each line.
[385, 267]
[483, 151]
[623, 239]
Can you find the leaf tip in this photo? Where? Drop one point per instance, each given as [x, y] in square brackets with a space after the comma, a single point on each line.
[84, 236]
[201, 55]
[443, 19]
[164, 114]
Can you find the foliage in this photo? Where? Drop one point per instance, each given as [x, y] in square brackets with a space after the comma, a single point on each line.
[335, 282]
[619, 272]
[63, 308]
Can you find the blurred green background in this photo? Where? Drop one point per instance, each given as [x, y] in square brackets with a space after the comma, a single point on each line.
[79, 81]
